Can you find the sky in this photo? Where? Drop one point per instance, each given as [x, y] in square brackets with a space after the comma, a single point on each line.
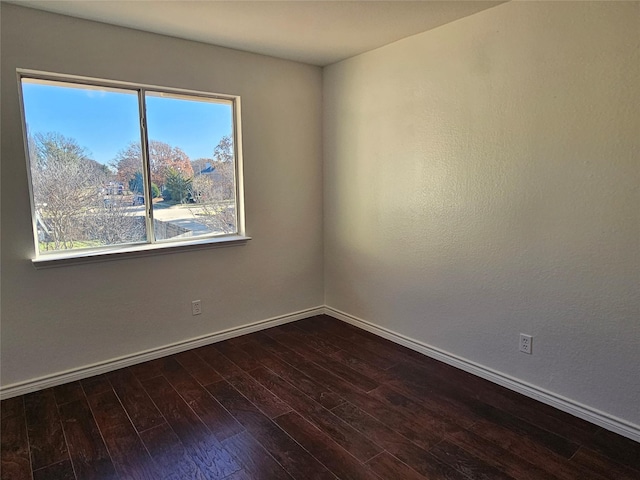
[105, 121]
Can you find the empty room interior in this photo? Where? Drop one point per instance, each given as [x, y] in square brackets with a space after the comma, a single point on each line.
[427, 264]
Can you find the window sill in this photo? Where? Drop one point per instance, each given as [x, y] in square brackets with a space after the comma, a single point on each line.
[132, 251]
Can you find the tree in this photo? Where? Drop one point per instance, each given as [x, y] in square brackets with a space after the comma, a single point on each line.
[64, 181]
[162, 156]
[136, 183]
[214, 191]
[220, 219]
[224, 150]
[71, 196]
[200, 164]
[178, 185]
[110, 223]
[128, 163]
[53, 148]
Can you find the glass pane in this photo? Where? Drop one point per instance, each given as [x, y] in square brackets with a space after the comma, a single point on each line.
[84, 145]
[192, 160]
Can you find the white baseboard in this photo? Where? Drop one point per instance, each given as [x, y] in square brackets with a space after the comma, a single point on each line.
[567, 405]
[55, 379]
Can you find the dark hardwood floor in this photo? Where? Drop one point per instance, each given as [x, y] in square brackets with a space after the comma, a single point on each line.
[314, 399]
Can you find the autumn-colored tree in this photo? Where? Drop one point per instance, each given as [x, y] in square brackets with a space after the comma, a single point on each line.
[162, 156]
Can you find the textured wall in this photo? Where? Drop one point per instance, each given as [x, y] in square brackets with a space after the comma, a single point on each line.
[481, 180]
[69, 317]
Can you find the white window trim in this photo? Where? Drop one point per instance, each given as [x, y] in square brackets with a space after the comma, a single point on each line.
[132, 251]
[152, 246]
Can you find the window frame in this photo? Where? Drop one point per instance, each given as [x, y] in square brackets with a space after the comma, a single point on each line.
[151, 244]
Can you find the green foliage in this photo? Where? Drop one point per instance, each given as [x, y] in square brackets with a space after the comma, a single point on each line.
[136, 184]
[177, 185]
[53, 148]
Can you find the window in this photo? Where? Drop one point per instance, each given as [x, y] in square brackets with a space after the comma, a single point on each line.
[122, 167]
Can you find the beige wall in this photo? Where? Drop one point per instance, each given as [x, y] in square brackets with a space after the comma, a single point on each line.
[482, 180]
[69, 317]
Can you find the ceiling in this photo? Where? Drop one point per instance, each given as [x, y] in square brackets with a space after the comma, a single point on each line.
[315, 32]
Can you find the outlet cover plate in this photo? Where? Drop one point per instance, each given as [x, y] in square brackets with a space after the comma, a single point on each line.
[526, 343]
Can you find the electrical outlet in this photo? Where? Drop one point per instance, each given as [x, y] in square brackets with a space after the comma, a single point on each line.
[196, 307]
[526, 343]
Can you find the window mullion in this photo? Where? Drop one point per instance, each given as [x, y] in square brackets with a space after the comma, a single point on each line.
[144, 140]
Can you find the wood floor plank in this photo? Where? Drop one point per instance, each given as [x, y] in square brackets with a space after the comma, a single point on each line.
[377, 345]
[207, 453]
[134, 399]
[365, 356]
[364, 367]
[88, 452]
[322, 447]
[455, 384]
[603, 466]
[172, 459]
[239, 475]
[289, 454]
[467, 463]
[341, 433]
[265, 341]
[68, 392]
[299, 362]
[46, 439]
[96, 385]
[304, 383]
[534, 412]
[436, 421]
[212, 414]
[318, 342]
[498, 457]
[197, 368]
[128, 454]
[551, 441]
[386, 465]
[394, 443]
[616, 447]
[147, 370]
[11, 407]
[373, 406]
[456, 406]
[107, 409]
[125, 447]
[15, 463]
[266, 401]
[219, 362]
[297, 344]
[57, 471]
[256, 462]
[418, 433]
[243, 359]
[470, 410]
[533, 452]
